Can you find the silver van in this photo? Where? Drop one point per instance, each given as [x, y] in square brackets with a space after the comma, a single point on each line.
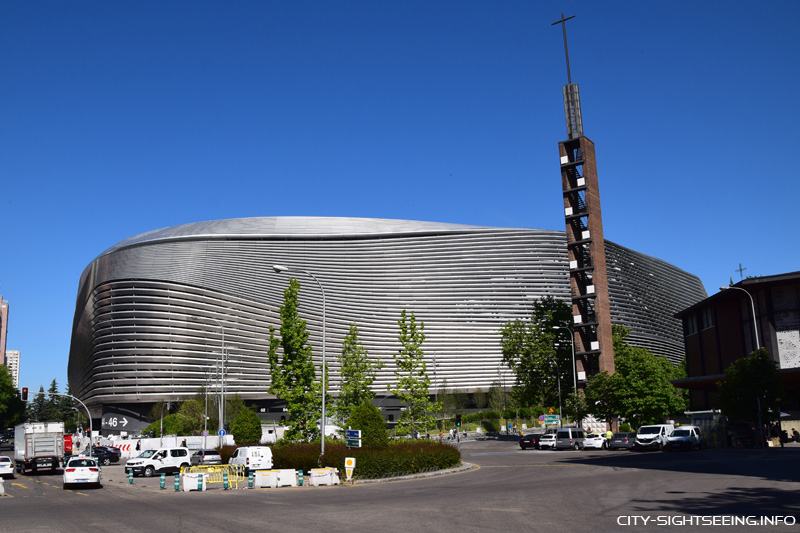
[570, 438]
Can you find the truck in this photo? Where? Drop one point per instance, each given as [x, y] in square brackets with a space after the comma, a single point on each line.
[38, 446]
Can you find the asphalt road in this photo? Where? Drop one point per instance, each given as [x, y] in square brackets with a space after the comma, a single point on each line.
[507, 489]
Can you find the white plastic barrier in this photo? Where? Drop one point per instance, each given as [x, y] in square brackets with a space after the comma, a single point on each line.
[193, 481]
[324, 476]
[287, 478]
[265, 479]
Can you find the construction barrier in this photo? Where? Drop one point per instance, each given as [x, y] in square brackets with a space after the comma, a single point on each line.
[288, 477]
[324, 476]
[193, 481]
[218, 473]
[266, 479]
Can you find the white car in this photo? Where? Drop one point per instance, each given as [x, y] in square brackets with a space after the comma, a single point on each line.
[548, 441]
[6, 467]
[595, 440]
[81, 470]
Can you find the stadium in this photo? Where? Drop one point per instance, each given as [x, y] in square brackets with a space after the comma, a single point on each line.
[155, 311]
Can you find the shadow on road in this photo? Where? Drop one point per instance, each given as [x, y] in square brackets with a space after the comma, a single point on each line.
[771, 464]
[734, 502]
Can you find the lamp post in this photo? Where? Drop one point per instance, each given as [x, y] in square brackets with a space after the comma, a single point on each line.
[280, 269]
[574, 369]
[505, 405]
[752, 308]
[223, 360]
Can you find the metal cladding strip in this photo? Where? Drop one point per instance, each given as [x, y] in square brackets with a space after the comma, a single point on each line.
[151, 310]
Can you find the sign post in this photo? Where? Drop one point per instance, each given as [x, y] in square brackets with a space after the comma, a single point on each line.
[352, 438]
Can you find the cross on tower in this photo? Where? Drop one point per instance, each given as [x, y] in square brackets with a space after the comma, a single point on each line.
[741, 270]
[566, 52]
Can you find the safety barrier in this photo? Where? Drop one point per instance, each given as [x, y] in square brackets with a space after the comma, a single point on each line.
[218, 473]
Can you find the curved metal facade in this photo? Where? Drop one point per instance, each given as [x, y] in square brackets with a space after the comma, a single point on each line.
[151, 311]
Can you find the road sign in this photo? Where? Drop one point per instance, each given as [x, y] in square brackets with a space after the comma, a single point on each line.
[551, 419]
[352, 433]
[352, 443]
[349, 466]
[221, 433]
[205, 433]
[541, 418]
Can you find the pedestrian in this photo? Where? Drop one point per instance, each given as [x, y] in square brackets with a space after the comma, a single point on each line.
[609, 434]
[795, 435]
[183, 443]
[138, 445]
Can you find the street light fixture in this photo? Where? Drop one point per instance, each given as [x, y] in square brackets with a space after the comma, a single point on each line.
[505, 404]
[574, 368]
[221, 373]
[280, 269]
[752, 308]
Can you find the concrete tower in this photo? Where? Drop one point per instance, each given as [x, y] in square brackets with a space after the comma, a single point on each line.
[594, 350]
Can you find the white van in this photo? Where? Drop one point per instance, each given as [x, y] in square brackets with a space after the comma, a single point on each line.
[252, 458]
[652, 437]
[165, 460]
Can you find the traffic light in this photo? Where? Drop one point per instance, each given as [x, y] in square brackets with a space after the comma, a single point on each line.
[24, 394]
[458, 420]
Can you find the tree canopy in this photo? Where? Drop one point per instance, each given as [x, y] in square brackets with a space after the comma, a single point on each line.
[357, 373]
[538, 351]
[639, 390]
[368, 419]
[246, 427]
[12, 408]
[751, 382]
[411, 373]
[292, 370]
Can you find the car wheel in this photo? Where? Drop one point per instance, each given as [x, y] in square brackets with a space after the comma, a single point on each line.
[106, 461]
[66, 486]
[576, 447]
[149, 471]
[604, 446]
[186, 466]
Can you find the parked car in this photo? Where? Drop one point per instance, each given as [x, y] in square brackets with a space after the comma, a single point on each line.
[81, 470]
[684, 438]
[547, 440]
[622, 441]
[595, 440]
[206, 457]
[104, 456]
[570, 438]
[531, 440]
[6, 467]
[165, 460]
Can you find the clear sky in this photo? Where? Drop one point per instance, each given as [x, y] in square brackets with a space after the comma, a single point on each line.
[117, 118]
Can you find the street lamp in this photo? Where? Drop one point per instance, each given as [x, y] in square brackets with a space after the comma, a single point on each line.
[574, 369]
[558, 375]
[752, 307]
[280, 269]
[221, 374]
[505, 405]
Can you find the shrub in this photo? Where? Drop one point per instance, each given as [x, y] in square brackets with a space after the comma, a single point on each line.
[368, 419]
[395, 459]
[625, 428]
[246, 428]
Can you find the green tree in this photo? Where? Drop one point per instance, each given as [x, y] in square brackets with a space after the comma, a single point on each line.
[53, 403]
[37, 407]
[246, 427]
[357, 374]
[12, 408]
[538, 354]
[292, 371]
[752, 382]
[639, 390]
[412, 378]
[368, 419]
[479, 397]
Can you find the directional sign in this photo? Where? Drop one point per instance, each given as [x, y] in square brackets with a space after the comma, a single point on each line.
[352, 433]
[221, 432]
[352, 443]
[551, 418]
[114, 422]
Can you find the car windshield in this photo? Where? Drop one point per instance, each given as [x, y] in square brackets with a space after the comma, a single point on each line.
[649, 430]
[680, 433]
[147, 453]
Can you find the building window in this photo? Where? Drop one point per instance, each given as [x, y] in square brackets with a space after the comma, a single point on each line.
[707, 318]
[689, 325]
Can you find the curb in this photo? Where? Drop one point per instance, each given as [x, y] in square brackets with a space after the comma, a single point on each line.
[465, 467]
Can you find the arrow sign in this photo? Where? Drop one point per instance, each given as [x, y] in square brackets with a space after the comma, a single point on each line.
[124, 422]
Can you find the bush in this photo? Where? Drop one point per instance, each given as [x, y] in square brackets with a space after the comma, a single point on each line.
[490, 425]
[625, 428]
[246, 428]
[396, 459]
[368, 419]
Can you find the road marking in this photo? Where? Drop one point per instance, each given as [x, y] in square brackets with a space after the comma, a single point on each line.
[19, 485]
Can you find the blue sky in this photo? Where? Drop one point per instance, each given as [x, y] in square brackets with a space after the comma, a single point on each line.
[118, 118]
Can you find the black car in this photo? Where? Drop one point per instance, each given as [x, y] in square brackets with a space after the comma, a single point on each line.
[531, 440]
[105, 456]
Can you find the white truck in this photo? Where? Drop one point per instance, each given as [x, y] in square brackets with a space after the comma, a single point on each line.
[38, 446]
